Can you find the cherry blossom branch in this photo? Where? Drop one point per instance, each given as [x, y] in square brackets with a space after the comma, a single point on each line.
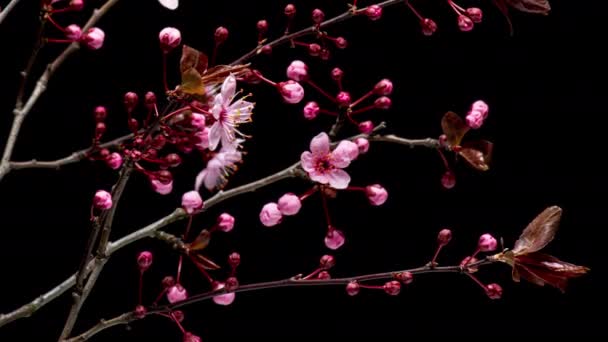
[21, 112]
[4, 13]
[311, 30]
[179, 214]
[295, 281]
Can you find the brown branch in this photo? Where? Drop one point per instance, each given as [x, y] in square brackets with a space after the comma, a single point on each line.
[4, 13]
[21, 113]
[295, 281]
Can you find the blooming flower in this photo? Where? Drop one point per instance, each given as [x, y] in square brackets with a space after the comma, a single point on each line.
[325, 166]
[219, 167]
[228, 115]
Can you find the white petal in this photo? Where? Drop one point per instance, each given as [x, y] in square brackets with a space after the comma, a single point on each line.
[170, 4]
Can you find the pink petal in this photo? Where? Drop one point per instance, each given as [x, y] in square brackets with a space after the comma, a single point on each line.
[338, 179]
[215, 133]
[199, 179]
[334, 239]
[319, 145]
[344, 153]
[229, 88]
[319, 177]
[307, 160]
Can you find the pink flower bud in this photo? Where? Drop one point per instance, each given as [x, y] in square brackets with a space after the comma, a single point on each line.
[133, 125]
[100, 129]
[494, 291]
[314, 49]
[366, 127]
[334, 239]
[270, 215]
[327, 262]
[324, 54]
[130, 101]
[232, 283]
[482, 107]
[475, 14]
[487, 243]
[362, 144]
[140, 311]
[197, 121]
[164, 176]
[102, 200]
[225, 299]
[266, 49]
[73, 32]
[474, 119]
[323, 275]
[466, 262]
[352, 288]
[383, 103]
[234, 259]
[76, 5]
[178, 315]
[225, 222]
[311, 110]
[93, 38]
[337, 74]
[163, 189]
[176, 293]
[221, 34]
[448, 180]
[190, 337]
[167, 282]
[405, 277]
[392, 287]
[192, 201]
[170, 38]
[289, 204]
[144, 261]
[317, 16]
[291, 91]
[290, 10]
[465, 23]
[429, 26]
[262, 26]
[341, 43]
[343, 99]
[374, 12]
[100, 113]
[383, 87]
[444, 237]
[173, 160]
[376, 194]
[297, 71]
[150, 100]
[202, 139]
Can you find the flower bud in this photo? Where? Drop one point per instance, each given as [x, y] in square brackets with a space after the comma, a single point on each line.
[173, 160]
[76, 5]
[317, 16]
[392, 287]
[262, 26]
[343, 98]
[100, 129]
[383, 87]
[164, 176]
[232, 283]
[93, 38]
[362, 144]
[334, 239]
[475, 14]
[324, 54]
[140, 312]
[448, 180]
[73, 32]
[429, 26]
[178, 315]
[474, 119]
[100, 113]
[130, 101]
[225, 222]
[114, 160]
[487, 243]
[144, 261]
[341, 43]
[383, 102]
[167, 282]
[376, 194]
[289, 204]
[481, 107]
[291, 91]
[234, 259]
[192, 201]
[190, 337]
[444, 237]
[270, 215]
[297, 71]
[327, 262]
[352, 288]
[163, 189]
[366, 127]
[225, 299]
[465, 24]
[150, 100]
[176, 293]
[102, 200]
[314, 49]
[494, 291]
[221, 34]
[169, 38]
[311, 110]
[323, 275]
[405, 277]
[290, 11]
[337, 74]
[373, 12]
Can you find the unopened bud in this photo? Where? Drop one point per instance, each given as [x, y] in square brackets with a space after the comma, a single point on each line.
[352, 288]
[221, 34]
[444, 237]
[144, 261]
[392, 287]
[327, 262]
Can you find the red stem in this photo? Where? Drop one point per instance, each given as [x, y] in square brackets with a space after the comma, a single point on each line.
[141, 282]
[326, 210]
[165, 84]
[52, 21]
[327, 112]
[368, 94]
[317, 88]
[308, 193]
[178, 323]
[364, 109]
[420, 17]
[445, 161]
[436, 254]
[53, 40]
[483, 286]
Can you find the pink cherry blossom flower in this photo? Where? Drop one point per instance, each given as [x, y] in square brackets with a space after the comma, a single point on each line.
[94, 38]
[334, 239]
[192, 201]
[225, 299]
[270, 215]
[228, 115]
[163, 189]
[376, 194]
[291, 91]
[176, 293]
[297, 71]
[102, 200]
[289, 204]
[225, 222]
[325, 166]
[223, 163]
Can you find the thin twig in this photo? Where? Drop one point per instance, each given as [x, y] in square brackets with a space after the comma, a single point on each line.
[289, 282]
[21, 113]
[7, 10]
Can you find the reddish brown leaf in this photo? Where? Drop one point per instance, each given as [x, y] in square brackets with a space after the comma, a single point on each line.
[454, 128]
[205, 263]
[201, 241]
[502, 6]
[478, 154]
[541, 269]
[531, 6]
[539, 232]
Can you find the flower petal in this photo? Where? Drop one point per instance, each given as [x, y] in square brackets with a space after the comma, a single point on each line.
[308, 161]
[344, 153]
[319, 145]
[229, 88]
[338, 179]
[215, 133]
[320, 177]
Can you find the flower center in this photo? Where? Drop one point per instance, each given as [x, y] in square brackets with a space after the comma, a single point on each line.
[324, 164]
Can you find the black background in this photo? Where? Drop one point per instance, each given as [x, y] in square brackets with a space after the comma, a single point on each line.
[545, 120]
